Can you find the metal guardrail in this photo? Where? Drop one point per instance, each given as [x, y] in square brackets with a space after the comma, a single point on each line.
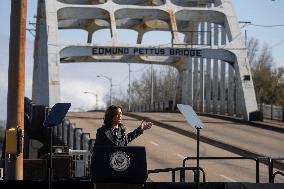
[269, 111]
[229, 158]
[1, 173]
[272, 112]
[65, 134]
[182, 172]
[273, 174]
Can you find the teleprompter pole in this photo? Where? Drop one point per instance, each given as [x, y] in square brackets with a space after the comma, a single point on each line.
[50, 170]
[197, 161]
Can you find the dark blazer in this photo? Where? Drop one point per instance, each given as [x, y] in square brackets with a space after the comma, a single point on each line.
[105, 137]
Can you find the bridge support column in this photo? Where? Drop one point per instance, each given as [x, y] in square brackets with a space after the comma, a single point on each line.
[195, 83]
[241, 65]
[207, 76]
[184, 86]
[223, 84]
[215, 78]
[231, 91]
[246, 88]
[189, 81]
[201, 71]
[46, 89]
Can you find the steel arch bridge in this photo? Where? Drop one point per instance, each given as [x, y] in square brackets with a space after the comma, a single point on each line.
[206, 48]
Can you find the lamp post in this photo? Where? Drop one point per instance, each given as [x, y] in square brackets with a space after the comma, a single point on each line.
[152, 85]
[110, 89]
[94, 94]
[129, 88]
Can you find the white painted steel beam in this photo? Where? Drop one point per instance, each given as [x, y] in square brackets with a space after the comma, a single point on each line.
[181, 18]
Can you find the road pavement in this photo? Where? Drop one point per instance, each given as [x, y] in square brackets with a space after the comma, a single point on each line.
[171, 140]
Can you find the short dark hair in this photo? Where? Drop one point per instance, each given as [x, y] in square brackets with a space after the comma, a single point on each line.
[109, 115]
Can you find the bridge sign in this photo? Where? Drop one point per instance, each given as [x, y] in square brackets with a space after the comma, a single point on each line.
[78, 51]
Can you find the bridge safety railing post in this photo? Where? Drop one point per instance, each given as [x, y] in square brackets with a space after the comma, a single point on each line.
[55, 133]
[65, 131]
[59, 132]
[71, 136]
[271, 112]
[77, 138]
[86, 157]
[283, 113]
[261, 108]
[85, 144]
[91, 144]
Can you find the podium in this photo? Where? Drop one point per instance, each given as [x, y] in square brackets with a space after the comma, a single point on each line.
[119, 165]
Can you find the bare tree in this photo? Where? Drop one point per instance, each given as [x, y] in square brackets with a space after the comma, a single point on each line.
[164, 79]
[268, 80]
[252, 48]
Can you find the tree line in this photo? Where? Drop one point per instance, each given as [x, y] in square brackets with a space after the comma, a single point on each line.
[268, 79]
[163, 79]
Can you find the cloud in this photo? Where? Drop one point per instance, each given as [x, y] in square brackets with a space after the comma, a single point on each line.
[72, 90]
[3, 97]
[4, 64]
[75, 79]
[4, 54]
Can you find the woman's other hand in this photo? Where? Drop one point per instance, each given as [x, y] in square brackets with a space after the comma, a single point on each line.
[145, 125]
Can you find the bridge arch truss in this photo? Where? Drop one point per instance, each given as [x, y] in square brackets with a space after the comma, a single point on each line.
[217, 81]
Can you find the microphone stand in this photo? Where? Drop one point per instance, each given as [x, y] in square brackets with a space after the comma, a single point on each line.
[197, 160]
[55, 117]
[50, 169]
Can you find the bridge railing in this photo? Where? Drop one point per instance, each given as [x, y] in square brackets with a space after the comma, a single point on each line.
[79, 145]
[272, 112]
[269, 111]
[67, 139]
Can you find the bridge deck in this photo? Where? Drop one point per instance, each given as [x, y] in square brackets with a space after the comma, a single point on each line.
[168, 142]
[263, 140]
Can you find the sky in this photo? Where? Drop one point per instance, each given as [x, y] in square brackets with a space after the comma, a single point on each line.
[76, 79]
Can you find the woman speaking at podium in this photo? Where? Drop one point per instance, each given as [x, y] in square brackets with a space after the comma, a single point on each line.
[113, 132]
